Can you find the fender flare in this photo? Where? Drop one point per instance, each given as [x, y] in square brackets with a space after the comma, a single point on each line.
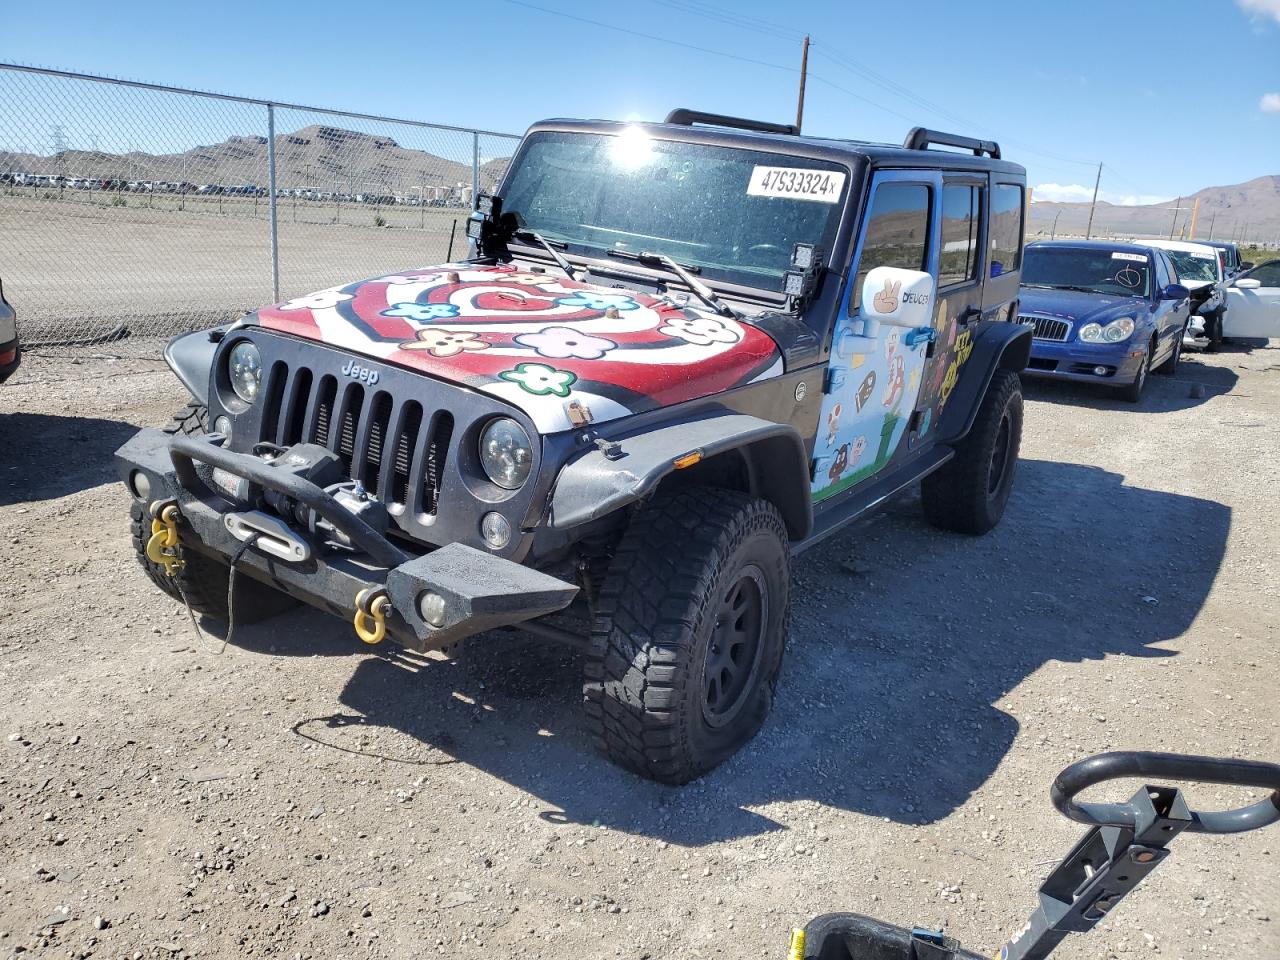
[190, 357]
[594, 486]
[996, 346]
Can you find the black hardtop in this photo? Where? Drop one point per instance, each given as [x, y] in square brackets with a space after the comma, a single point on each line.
[1112, 246]
[851, 152]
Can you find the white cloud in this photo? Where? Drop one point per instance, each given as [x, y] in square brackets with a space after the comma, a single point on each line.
[1261, 8]
[1270, 103]
[1079, 193]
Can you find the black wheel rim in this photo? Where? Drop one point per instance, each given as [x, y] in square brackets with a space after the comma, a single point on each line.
[733, 653]
[999, 457]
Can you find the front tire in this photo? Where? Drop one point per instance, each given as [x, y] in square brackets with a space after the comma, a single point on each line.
[1132, 392]
[1170, 366]
[969, 493]
[688, 633]
[202, 580]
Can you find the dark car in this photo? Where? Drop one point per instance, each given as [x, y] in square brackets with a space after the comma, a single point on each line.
[1231, 252]
[679, 354]
[1102, 312]
[10, 349]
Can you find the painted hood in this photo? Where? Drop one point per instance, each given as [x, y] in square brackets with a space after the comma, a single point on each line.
[1080, 308]
[560, 350]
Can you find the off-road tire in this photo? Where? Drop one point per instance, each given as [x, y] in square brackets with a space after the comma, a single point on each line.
[1170, 365]
[202, 580]
[655, 627]
[969, 493]
[1132, 392]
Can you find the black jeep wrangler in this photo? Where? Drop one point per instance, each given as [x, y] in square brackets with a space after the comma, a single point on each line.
[678, 354]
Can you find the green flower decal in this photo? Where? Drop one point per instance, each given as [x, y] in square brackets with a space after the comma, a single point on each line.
[540, 379]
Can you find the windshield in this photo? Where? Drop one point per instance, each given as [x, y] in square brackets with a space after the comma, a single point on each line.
[1194, 265]
[1093, 271]
[734, 214]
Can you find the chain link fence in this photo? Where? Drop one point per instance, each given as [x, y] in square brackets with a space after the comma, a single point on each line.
[131, 211]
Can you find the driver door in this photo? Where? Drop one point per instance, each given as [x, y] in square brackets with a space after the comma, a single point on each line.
[1254, 311]
[882, 337]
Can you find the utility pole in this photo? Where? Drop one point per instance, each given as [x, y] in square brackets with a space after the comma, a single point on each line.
[1212, 220]
[804, 73]
[1176, 207]
[1195, 219]
[1053, 234]
[1088, 231]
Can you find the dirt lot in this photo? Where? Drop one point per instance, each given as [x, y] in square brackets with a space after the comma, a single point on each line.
[298, 795]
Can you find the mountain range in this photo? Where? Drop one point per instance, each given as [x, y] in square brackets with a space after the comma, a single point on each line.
[1250, 210]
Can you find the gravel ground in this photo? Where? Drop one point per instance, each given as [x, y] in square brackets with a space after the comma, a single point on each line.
[299, 795]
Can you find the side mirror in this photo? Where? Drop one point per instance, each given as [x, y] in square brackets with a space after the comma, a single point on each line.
[1248, 283]
[1175, 291]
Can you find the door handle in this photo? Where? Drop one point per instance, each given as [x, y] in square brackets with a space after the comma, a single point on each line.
[920, 335]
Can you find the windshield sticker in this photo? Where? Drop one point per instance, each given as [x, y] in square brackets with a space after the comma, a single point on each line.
[794, 183]
[1135, 257]
[1202, 256]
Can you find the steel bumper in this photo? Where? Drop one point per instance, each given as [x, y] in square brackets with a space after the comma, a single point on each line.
[480, 591]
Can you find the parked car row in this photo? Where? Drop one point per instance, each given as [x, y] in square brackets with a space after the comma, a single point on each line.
[456, 197]
[1111, 312]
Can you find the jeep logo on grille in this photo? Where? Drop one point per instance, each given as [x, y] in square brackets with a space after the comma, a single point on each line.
[357, 372]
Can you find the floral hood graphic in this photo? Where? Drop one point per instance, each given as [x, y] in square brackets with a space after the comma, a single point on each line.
[539, 341]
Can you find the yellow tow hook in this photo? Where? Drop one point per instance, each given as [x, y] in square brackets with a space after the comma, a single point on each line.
[371, 604]
[162, 548]
[795, 950]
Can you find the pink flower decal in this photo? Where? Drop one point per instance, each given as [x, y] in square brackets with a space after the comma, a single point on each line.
[316, 301]
[445, 343]
[561, 343]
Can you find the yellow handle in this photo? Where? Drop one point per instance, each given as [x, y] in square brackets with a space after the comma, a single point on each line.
[377, 613]
[796, 951]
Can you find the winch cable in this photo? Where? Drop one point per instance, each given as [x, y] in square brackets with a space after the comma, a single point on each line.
[231, 586]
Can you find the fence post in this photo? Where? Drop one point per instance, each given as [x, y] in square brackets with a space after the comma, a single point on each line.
[475, 167]
[271, 189]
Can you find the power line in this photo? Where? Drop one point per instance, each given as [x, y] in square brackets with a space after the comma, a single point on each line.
[651, 36]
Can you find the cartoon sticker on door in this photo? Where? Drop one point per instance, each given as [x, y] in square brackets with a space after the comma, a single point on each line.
[876, 367]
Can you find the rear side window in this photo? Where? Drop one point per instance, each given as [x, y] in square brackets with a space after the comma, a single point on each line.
[1006, 229]
[897, 232]
[961, 212]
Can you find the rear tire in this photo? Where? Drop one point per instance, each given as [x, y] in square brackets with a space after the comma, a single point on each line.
[969, 493]
[688, 633]
[202, 580]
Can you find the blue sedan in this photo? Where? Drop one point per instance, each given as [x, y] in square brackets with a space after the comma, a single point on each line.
[1102, 312]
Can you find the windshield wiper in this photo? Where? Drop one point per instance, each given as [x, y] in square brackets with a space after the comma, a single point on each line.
[685, 273]
[547, 245]
[1060, 286]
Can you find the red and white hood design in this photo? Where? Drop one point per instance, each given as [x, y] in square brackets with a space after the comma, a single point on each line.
[565, 352]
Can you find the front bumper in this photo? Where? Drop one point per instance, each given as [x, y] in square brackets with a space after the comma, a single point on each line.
[1082, 361]
[480, 591]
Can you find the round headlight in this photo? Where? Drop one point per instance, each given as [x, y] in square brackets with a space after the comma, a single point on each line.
[1090, 333]
[505, 453]
[244, 369]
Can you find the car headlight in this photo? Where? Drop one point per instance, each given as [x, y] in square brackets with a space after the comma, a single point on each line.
[505, 453]
[1116, 331]
[244, 370]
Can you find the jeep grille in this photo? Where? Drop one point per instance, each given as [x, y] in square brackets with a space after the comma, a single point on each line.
[394, 448]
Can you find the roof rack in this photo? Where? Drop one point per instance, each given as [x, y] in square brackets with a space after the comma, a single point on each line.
[921, 138]
[688, 118]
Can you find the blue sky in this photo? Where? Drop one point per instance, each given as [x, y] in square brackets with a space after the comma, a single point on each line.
[1062, 86]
